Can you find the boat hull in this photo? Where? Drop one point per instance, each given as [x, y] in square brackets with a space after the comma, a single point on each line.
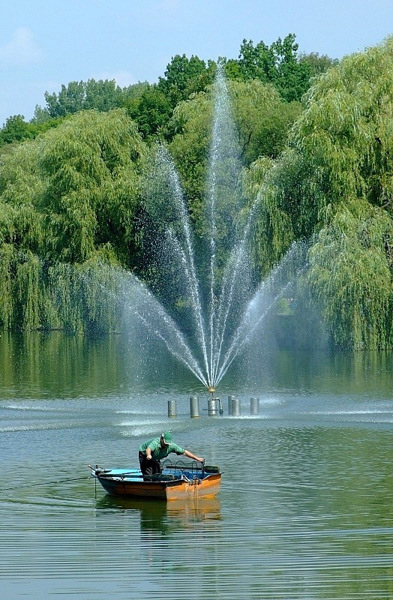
[131, 484]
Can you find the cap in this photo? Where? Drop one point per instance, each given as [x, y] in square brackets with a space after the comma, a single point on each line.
[167, 437]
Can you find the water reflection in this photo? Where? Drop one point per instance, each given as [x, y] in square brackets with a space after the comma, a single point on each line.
[165, 517]
[38, 365]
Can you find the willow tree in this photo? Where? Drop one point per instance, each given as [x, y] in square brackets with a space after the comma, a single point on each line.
[21, 186]
[92, 164]
[272, 227]
[68, 201]
[351, 277]
[336, 177]
[21, 236]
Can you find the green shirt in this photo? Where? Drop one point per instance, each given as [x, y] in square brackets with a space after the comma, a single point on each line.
[157, 451]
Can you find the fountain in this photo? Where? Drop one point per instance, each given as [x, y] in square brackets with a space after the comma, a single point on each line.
[204, 306]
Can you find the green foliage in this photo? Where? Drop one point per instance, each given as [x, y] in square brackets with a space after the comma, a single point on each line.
[340, 146]
[103, 95]
[21, 186]
[263, 119]
[36, 295]
[185, 76]
[317, 63]
[69, 196]
[6, 285]
[350, 276]
[277, 64]
[153, 109]
[74, 190]
[272, 229]
[83, 296]
[16, 129]
[91, 165]
[335, 177]
[190, 147]
[151, 112]
[28, 293]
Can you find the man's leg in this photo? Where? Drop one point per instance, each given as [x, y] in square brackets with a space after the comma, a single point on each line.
[149, 467]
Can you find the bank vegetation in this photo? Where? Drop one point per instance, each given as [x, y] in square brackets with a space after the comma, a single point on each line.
[316, 139]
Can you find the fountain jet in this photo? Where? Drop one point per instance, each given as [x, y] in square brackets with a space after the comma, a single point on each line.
[205, 309]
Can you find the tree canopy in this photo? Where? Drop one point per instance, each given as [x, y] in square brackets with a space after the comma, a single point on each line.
[314, 138]
[68, 197]
[334, 179]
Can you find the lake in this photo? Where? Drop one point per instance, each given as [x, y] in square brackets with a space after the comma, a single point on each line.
[305, 507]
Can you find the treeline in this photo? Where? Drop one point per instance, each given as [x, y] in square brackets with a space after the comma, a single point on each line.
[151, 106]
[315, 137]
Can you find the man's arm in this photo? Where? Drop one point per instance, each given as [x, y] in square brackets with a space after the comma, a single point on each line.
[190, 455]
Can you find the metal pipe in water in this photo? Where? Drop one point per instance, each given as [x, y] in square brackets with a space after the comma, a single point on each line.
[172, 408]
[194, 406]
[254, 406]
[235, 407]
[213, 407]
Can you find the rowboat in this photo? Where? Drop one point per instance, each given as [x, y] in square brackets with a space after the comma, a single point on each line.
[175, 482]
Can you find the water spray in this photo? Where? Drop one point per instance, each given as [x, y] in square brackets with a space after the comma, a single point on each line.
[206, 322]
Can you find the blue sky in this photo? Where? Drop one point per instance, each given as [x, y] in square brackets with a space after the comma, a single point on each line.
[47, 43]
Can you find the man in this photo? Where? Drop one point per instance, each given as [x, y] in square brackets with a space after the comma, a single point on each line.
[152, 451]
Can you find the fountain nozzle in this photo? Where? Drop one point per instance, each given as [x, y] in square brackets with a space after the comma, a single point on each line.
[214, 404]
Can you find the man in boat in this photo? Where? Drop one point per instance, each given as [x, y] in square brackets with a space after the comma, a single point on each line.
[152, 451]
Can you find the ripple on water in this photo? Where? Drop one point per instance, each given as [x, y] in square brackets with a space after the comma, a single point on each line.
[310, 518]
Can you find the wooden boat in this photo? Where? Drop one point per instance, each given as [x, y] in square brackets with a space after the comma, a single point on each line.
[176, 482]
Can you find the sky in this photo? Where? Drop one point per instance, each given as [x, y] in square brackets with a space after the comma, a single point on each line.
[47, 43]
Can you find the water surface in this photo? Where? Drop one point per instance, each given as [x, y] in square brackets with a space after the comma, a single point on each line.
[305, 509]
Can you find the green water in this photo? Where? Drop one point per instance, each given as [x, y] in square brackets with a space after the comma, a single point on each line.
[305, 508]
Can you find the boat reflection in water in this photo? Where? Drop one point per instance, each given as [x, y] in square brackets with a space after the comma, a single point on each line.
[165, 517]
